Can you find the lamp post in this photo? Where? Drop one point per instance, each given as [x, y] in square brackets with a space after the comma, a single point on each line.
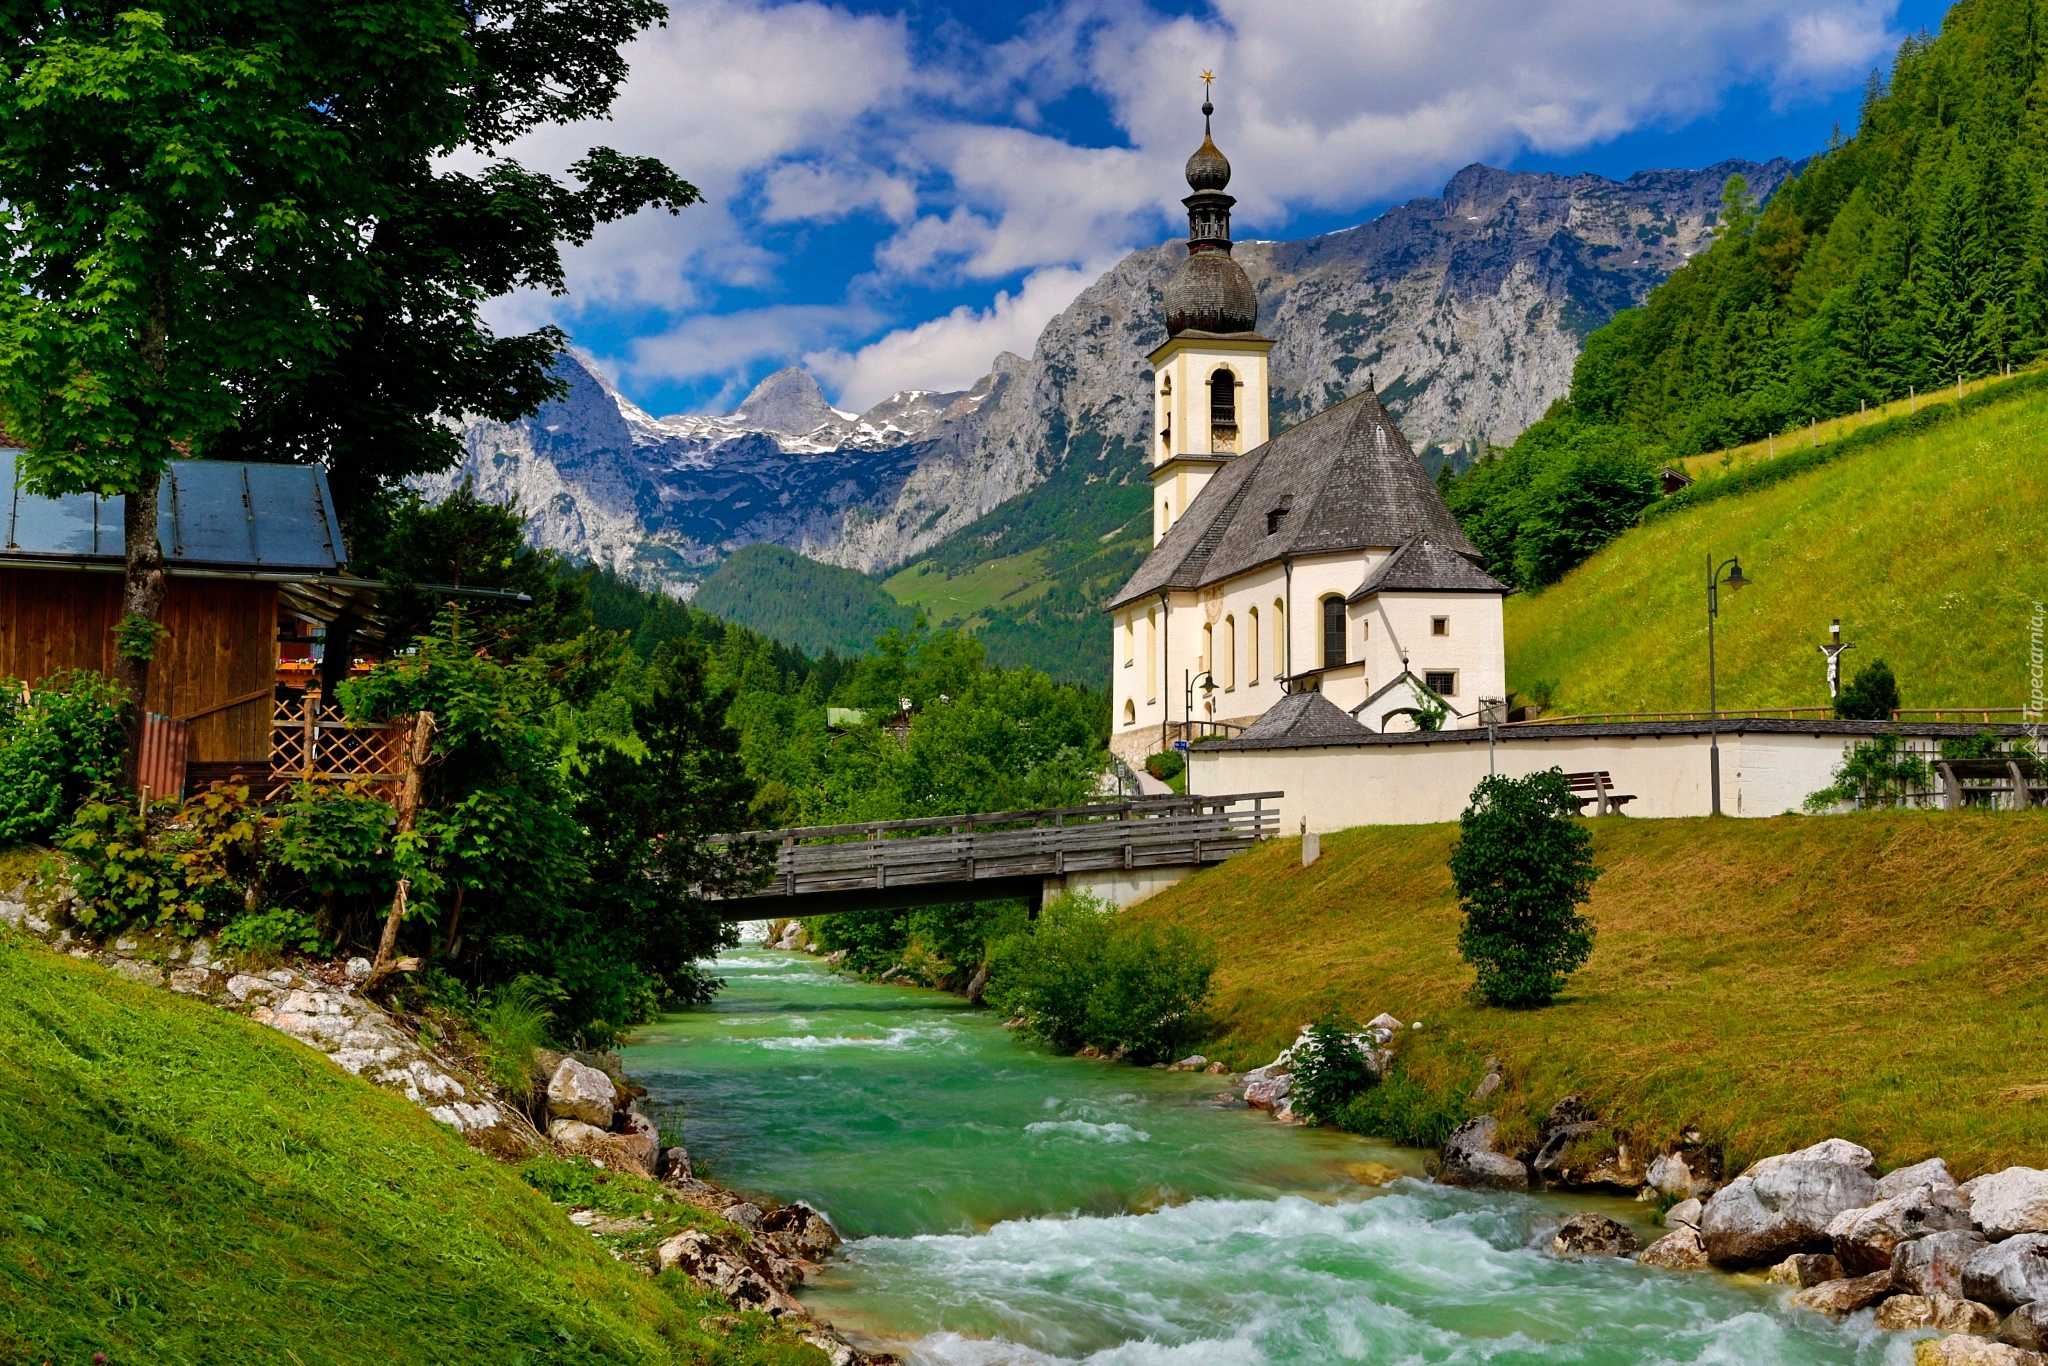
[1732, 567]
[1188, 710]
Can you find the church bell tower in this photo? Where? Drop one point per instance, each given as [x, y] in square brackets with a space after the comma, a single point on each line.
[1209, 379]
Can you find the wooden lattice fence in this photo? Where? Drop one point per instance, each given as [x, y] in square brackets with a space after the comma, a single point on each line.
[312, 741]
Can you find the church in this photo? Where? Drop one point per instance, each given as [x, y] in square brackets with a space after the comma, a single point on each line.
[1318, 561]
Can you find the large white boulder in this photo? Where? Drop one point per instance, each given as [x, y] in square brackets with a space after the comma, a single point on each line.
[2009, 1274]
[1932, 1172]
[1786, 1207]
[1934, 1265]
[2009, 1202]
[1827, 1150]
[1864, 1239]
[578, 1091]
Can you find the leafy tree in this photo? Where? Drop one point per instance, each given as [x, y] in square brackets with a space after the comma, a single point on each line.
[1523, 865]
[244, 214]
[1873, 695]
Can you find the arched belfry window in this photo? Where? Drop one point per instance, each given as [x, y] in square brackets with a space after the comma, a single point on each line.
[1333, 631]
[1223, 410]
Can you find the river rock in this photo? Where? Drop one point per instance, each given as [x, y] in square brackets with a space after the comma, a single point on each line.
[1268, 1092]
[1934, 1265]
[2009, 1274]
[1678, 1250]
[1759, 1219]
[578, 1092]
[1932, 1172]
[977, 983]
[1194, 1062]
[800, 1231]
[1687, 1212]
[1685, 1173]
[1865, 1238]
[1371, 1173]
[2009, 1202]
[698, 1255]
[574, 1133]
[2027, 1326]
[1586, 1234]
[1491, 1082]
[1943, 1313]
[1827, 1150]
[1803, 1270]
[675, 1165]
[1961, 1349]
[1217, 1069]
[1841, 1298]
[1469, 1159]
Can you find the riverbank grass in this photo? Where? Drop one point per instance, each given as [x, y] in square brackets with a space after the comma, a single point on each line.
[1773, 982]
[178, 1184]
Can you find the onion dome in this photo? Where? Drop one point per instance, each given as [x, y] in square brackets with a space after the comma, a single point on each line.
[1208, 169]
[1210, 293]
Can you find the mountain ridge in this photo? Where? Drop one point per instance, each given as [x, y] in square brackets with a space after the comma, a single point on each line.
[1465, 310]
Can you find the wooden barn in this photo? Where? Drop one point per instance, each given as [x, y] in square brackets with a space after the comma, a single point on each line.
[249, 548]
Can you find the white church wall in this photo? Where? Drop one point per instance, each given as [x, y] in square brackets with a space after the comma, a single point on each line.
[1412, 783]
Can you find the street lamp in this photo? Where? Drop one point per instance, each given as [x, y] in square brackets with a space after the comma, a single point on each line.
[1207, 681]
[1733, 569]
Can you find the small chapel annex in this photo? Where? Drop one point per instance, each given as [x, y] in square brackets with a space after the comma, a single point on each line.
[1321, 560]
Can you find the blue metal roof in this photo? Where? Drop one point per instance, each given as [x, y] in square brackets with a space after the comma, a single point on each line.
[211, 514]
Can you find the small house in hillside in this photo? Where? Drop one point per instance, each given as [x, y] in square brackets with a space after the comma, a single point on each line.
[253, 552]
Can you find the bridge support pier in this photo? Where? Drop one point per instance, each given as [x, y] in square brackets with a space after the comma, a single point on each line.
[1120, 887]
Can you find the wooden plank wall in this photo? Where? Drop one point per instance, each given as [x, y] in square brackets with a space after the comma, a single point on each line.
[222, 644]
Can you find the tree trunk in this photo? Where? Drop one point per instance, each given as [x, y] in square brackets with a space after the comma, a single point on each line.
[417, 748]
[143, 585]
[142, 598]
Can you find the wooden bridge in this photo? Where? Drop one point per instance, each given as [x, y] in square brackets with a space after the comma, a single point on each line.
[1000, 855]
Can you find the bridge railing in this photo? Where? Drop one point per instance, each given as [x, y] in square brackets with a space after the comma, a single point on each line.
[1146, 832]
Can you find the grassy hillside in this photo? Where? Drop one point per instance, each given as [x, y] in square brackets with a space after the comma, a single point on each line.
[800, 602]
[182, 1185]
[1773, 981]
[1926, 544]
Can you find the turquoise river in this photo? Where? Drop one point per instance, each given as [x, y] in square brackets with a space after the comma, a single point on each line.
[1004, 1205]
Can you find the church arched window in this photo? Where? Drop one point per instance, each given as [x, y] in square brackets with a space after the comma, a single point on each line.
[1333, 631]
[1251, 640]
[1130, 712]
[1229, 677]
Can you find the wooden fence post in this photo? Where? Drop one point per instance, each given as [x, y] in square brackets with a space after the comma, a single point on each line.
[414, 758]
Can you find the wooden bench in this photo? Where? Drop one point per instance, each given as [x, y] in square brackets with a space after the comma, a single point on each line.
[1600, 784]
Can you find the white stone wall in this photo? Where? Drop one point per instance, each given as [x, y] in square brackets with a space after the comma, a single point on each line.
[1762, 774]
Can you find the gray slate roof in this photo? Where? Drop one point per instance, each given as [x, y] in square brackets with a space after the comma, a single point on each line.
[1348, 480]
[1301, 718]
[214, 514]
[1424, 565]
[1540, 732]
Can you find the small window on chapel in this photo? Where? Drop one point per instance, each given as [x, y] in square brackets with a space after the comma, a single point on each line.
[1442, 682]
[1439, 626]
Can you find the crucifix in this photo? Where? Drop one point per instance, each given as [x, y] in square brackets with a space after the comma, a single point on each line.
[1833, 650]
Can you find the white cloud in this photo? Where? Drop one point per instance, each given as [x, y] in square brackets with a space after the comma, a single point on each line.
[952, 351]
[788, 114]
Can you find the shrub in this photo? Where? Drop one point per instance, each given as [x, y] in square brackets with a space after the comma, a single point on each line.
[1523, 865]
[58, 743]
[1403, 1110]
[1982, 745]
[278, 930]
[1872, 696]
[1875, 772]
[1166, 765]
[169, 865]
[1330, 1068]
[1084, 976]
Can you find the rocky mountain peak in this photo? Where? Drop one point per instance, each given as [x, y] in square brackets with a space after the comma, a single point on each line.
[789, 402]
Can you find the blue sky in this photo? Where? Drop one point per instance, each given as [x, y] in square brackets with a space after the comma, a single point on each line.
[896, 192]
